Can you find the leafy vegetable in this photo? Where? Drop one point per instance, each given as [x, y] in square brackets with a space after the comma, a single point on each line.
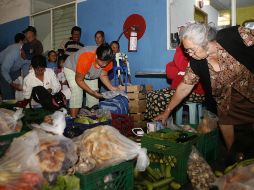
[66, 182]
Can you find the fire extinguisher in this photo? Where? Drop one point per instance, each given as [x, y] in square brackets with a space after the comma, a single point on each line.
[133, 40]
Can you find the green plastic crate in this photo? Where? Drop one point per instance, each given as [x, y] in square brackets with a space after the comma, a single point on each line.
[117, 177]
[166, 147]
[207, 145]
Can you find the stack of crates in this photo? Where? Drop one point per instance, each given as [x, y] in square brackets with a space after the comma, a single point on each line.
[137, 103]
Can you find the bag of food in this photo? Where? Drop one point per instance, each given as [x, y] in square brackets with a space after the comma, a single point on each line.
[199, 172]
[105, 146]
[56, 155]
[37, 151]
[209, 122]
[19, 168]
[54, 123]
[239, 178]
[10, 121]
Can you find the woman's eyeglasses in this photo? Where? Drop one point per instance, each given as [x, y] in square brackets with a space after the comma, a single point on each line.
[191, 50]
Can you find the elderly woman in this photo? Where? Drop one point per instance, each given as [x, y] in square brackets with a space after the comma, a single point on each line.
[223, 63]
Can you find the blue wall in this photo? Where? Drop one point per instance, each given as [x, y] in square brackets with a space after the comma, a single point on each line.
[109, 16]
[9, 29]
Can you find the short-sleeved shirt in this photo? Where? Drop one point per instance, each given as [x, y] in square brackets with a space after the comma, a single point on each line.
[86, 65]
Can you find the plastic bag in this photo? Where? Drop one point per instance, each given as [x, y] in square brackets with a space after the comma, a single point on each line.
[112, 94]
[10, 121]
[98, 113]
[105, 146]
[199, 172]
[37, 151]
[56, 155]
[240, 178]
[170, 124]
[54, 123]
[19, 168]
[209, 122]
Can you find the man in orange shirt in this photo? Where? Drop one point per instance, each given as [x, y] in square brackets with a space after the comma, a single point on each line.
[84, 66]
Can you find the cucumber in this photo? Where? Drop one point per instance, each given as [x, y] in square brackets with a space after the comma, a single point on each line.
[162, 182]
[168, 171]
[175, 185]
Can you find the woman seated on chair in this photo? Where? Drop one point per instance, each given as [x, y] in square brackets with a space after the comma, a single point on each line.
[156, 101]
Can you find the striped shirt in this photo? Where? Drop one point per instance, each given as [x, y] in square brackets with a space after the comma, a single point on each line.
[69, 46]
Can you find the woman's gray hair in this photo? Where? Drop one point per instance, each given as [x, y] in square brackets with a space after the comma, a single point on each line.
[198, 33]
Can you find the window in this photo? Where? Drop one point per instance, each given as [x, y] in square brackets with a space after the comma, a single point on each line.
[53, 23]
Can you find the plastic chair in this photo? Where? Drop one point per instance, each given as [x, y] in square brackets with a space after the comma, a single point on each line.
[195, 113]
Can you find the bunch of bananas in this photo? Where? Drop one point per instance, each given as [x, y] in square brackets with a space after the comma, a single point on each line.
[157, 178]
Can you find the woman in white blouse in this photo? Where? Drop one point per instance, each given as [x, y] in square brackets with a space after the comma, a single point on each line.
[39, 75]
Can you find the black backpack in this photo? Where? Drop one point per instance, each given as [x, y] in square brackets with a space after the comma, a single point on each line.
[48, 101]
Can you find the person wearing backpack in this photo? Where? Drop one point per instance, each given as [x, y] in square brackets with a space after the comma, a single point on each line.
[39, 75]
[83, 67]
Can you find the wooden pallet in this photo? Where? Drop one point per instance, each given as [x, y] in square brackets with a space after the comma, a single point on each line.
[136, 96]
[137, 117]
[137, 88]
[133, 103]
[137, 108]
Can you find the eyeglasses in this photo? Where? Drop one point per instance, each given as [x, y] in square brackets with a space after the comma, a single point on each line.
[191, 50]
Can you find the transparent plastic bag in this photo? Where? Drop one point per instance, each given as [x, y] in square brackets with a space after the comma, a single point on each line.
[10, 121]
[18, 167]
[54, 123]
[56, 155]
[98, 113]
[112, 94]
[37, 151]
[209, 122]
[199, 172]
[170, 124]
[104, 146]
[240, 178]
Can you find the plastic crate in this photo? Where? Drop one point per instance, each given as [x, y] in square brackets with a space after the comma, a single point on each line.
[124, 123]
[207, 145]
[180, 151]
[117, 177]
[74, 129]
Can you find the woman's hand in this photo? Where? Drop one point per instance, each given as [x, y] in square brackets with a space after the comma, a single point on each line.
[162, 117]
[17, 87]
[97, 95]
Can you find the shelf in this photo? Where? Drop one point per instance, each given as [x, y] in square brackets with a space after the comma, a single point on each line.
[154, 73]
